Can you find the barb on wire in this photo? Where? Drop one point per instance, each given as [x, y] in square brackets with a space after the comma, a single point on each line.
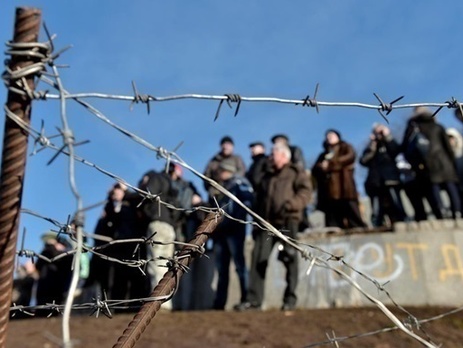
[451, 104]
[312, 102]
[68, 141]
[386, 107]
[140, 98]
[42, 140]
[101, 306]
[230, 98]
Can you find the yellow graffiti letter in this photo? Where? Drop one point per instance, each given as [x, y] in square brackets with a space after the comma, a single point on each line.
[450, 251]
[410, 247]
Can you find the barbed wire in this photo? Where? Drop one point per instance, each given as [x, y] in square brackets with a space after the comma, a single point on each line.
[451, 103]
[412, 323]
[45, 51]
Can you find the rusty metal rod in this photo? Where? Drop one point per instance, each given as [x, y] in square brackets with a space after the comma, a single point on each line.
[166, 286]
[14, 154]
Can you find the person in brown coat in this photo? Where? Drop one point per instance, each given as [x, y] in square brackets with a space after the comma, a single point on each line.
[337, 194]
[281, 197]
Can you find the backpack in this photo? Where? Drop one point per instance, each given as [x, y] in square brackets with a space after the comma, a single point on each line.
[158, 183]
[418, 147]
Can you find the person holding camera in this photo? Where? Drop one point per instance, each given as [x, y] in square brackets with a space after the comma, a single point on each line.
[382, 184]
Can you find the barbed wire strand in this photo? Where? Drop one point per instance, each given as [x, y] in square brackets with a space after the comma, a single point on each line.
[384, 330]
[255, 99]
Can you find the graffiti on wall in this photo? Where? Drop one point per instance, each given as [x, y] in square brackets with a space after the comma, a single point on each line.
[388, 261]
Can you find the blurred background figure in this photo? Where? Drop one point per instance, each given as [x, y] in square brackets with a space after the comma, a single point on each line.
[260, 163]
[230, 235]
[297, 158]
[280, 199]
[337, 194]
[456, 143]
[54, 277]
[383, 184]
[101, 275]
[426, 147]
[158, 221]
[23, 288]
[195, 289]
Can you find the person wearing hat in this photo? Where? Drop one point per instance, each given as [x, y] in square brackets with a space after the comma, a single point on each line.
[426, 146]
[297, 157]
[337, 194]
[229, 237]
[212, 168]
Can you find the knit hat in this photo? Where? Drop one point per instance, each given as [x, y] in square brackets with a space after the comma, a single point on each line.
[226, 139]
[278, 136]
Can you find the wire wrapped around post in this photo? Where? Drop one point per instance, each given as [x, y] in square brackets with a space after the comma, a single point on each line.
[14, 154]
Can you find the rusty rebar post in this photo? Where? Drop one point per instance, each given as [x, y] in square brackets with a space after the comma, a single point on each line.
[26, 30]
[166, 286]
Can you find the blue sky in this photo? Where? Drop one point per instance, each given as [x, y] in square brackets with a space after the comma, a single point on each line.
[254, 48]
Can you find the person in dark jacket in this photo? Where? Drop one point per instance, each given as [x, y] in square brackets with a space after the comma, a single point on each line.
[456, 143]
[433, 163]
[259, 165]
[101, 274]
[119, 221]
[212, 169]
[382, 184]
[337, 194]
[54, 277]
[281, 197]
[230, 235]
[23, 287]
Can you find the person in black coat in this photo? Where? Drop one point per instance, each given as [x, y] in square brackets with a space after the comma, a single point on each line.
[382, 184]
[260, 164]
[427, 148]
[54, 277]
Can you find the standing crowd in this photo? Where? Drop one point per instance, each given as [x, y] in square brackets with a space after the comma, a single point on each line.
[279, 187]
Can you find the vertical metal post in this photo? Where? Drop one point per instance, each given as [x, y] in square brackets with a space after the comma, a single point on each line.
[166, 285]
[26, 30]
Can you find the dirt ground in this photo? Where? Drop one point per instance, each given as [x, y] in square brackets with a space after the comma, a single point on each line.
[300, 328]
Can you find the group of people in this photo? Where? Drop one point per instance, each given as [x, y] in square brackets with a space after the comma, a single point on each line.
[427, 162]
[278, 186]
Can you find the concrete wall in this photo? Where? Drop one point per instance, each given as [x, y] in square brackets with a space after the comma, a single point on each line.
[422, 264]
